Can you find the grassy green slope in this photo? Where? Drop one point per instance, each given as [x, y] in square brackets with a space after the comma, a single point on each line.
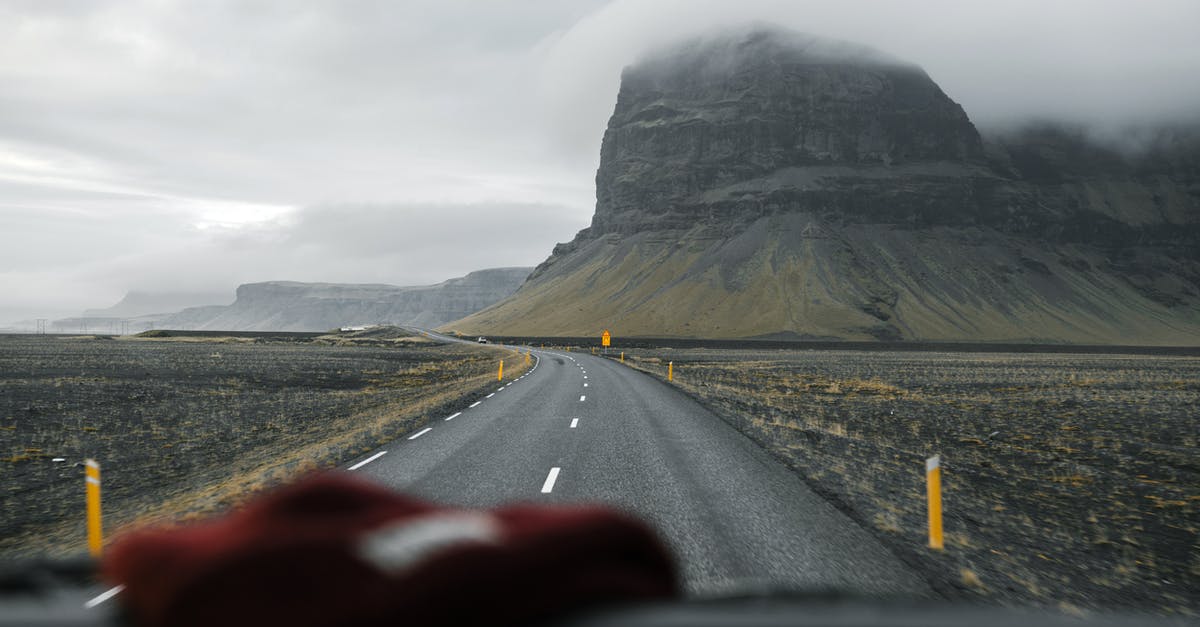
[782, 275]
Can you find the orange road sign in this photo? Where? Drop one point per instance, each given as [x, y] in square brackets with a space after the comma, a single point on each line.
[605, 338]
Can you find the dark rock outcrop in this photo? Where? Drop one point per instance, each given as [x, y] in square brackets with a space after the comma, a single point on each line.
[715, 128]
[760, 181]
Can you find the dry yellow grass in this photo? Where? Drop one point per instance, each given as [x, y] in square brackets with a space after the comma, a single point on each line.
[290, 451]
[1056, 467]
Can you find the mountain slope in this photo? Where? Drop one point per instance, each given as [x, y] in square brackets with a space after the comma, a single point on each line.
[761, 182]
[781, 277]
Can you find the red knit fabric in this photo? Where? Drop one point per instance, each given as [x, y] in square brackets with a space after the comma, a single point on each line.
[335, 550]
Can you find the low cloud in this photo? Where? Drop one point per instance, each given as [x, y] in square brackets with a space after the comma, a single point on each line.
[1105, 64]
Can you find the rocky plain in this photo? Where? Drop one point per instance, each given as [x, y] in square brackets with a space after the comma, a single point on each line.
[1071, 480]
[186, 425]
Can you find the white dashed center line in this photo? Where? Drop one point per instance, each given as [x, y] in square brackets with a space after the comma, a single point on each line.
[548, 486]
[584, 385]
[104, 596]
[420, 433]
[490, 395]
[475, 404]
[574, 422]
[582, 398]
[455, 415]
[368, 460]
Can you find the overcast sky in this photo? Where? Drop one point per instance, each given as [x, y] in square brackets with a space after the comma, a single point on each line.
[176, 146]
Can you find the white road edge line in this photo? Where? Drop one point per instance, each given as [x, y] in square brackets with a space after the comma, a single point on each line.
[420, 433]
[475, 404]
[574, 422]
[582, 398]
[490, 395]
[456, 415]
[368, 460]
[550, 479]
[104, 596]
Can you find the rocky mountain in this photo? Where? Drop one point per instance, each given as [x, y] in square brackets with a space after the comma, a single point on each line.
[137, 311]
[291, 306]
[762, 182]
[140, 303]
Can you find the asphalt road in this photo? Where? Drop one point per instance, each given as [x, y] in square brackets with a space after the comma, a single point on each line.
[579, 428]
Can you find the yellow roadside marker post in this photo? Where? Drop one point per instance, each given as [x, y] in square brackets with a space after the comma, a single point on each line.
[94, 529]
[500, 373]
[622, 356]
[933, 478]
[670, 371]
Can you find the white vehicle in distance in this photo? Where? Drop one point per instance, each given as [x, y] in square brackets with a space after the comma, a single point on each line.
[483, 340]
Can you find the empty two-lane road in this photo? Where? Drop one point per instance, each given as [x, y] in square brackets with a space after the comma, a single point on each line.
[579, 428]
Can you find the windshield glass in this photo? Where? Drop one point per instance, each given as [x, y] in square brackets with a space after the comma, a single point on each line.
[889, 303]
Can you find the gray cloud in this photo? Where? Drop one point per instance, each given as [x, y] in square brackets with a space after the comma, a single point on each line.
[398, 244]
[1105, 64]
[195, 145]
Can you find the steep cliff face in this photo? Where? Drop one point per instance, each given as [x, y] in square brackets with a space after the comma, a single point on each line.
[764, 182]
[1087, 191]
[702, 130]
[291, 306]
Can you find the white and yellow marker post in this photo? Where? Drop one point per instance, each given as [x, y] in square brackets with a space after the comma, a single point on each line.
[933, 481]
[500, 373]
[670, 370]
[95, 532]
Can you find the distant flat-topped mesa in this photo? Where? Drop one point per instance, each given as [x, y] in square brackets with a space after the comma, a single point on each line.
[760, 182]
[292, 306]
[750, 121]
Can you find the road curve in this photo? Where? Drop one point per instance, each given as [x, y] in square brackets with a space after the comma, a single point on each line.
[579, 428]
